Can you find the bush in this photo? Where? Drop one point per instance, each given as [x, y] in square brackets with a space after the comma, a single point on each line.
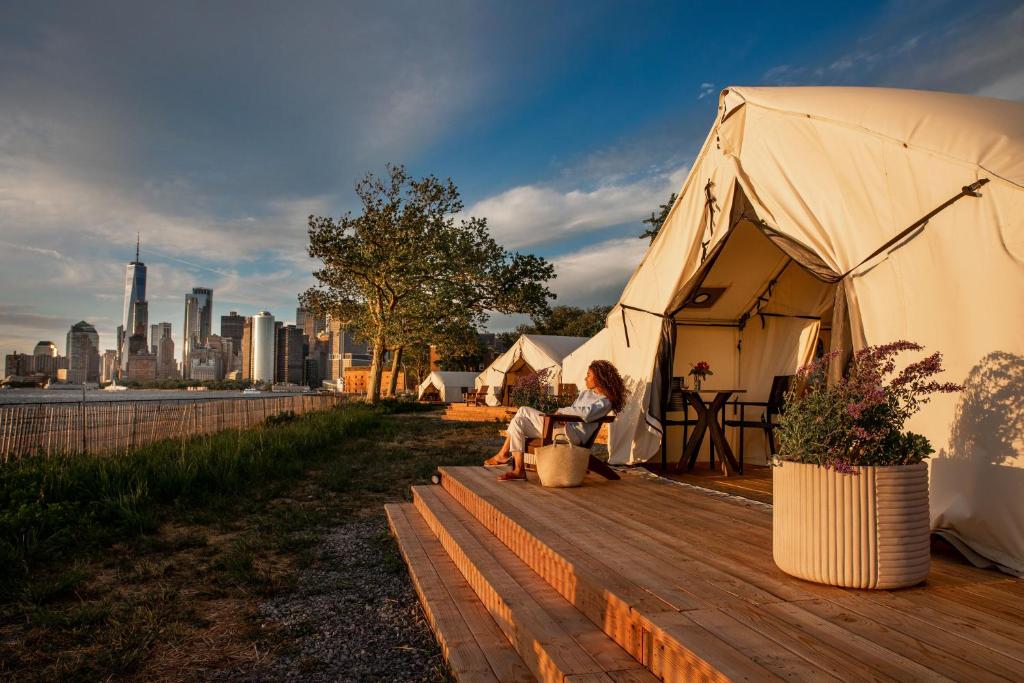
[859, 421]
[535, 391]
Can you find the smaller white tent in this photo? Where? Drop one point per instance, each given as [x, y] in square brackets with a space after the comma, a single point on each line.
[576, 364]
[531, 353]
[446, 386]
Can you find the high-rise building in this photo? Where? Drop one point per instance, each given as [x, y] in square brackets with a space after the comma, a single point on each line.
[18, 365]
[344, 351]
[263, 338]
[157, 332]
[231, 326]
[166, 365]
[108, 366]
[246, 351]
[198, 323]
[141, 366]
[134, 291]
[290, 357]
[83, 354]
[44, 359]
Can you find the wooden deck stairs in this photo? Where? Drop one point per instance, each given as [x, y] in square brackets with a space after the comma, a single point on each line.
[463, 413]
[640, 580]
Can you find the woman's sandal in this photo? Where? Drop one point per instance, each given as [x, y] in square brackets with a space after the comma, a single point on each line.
[497, 464]
[512, 476]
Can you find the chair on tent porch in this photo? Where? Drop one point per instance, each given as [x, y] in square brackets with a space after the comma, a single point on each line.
[593, 464]
[478, 397]
[772, 407]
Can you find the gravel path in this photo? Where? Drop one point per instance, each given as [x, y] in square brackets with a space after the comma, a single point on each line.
[353, 617]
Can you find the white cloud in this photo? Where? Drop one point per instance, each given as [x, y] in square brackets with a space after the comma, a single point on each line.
[536, 214]
[597, 274]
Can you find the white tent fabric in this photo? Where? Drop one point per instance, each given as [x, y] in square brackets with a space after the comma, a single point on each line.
[905, 209]
[449, 384]
[530, 353]
[576, 364]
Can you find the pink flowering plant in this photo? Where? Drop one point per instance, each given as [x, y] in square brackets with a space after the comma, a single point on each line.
[534, 390]
[859, 420]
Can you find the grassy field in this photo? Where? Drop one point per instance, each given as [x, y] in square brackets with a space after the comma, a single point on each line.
[150, 565]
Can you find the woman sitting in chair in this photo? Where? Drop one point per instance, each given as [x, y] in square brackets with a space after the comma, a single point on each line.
[605, 392]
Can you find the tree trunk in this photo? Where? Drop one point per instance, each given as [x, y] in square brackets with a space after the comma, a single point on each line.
[376, 370]
[396, 361]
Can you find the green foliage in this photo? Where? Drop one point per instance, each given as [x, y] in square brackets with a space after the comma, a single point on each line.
[405, 272]
[59, 507]
[656, 220]
[566, 321]
[535, 391]
[859, 420]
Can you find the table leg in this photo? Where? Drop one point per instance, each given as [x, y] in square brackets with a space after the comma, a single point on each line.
[729, 464]
[693, 443]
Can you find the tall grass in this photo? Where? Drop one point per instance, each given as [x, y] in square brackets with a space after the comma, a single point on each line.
[55, 508]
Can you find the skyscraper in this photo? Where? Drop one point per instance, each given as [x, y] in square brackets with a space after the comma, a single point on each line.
[83, 354]
[134, 291]
[246, 352]
[198, 323]
[157, 333]
[263, 338]
[231, 326]
[290, 356]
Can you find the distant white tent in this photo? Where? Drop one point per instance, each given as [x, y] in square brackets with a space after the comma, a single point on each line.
[446, 386]
[531, 353]
[575, 365]
[848, 217]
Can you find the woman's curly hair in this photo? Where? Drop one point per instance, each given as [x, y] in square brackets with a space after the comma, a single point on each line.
[609, 381]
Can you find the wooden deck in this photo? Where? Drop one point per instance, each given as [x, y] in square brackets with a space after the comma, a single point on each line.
[642, 578]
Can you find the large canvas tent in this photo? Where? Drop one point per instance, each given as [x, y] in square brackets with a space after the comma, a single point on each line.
[447, 386]
[531, 353]
[846, 217]
[576, 364]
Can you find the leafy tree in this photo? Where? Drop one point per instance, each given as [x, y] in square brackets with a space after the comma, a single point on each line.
[657, 220]
[570, 321]
[405, 269]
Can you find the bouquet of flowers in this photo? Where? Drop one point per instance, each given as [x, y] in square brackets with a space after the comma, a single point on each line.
[700, 372]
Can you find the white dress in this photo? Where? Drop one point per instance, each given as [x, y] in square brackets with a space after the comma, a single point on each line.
[528, 422]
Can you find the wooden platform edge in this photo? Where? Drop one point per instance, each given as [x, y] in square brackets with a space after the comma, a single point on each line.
[473, 646]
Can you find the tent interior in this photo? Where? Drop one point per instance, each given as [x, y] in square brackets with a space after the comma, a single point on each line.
[430, 393]
[753, 312]
[516, 372]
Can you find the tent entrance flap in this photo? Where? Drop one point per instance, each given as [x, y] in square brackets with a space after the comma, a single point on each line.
[765, 323]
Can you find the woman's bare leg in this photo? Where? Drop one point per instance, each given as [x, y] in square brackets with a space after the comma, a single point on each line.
[501, 456]
[517, 464]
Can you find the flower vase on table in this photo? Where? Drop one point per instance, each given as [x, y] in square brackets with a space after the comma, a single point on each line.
[700, 372]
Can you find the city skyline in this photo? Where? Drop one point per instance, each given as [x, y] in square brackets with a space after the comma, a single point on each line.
[563, 128]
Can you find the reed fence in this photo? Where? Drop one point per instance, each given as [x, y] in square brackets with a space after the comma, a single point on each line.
[41, 429]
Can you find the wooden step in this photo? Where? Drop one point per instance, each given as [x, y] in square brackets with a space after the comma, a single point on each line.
[556, 642]
[679, 635]
[474, 647]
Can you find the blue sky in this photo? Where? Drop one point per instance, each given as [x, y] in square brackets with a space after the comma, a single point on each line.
[214, 129]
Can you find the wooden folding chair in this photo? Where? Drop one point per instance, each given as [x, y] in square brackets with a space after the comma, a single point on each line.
[593, 464]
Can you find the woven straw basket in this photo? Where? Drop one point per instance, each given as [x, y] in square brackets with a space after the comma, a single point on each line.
[869, 529]
[562, 465]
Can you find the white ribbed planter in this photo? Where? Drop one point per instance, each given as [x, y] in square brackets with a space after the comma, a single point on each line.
[869, 529]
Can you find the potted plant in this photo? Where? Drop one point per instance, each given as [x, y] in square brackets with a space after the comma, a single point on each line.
[850, 490]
